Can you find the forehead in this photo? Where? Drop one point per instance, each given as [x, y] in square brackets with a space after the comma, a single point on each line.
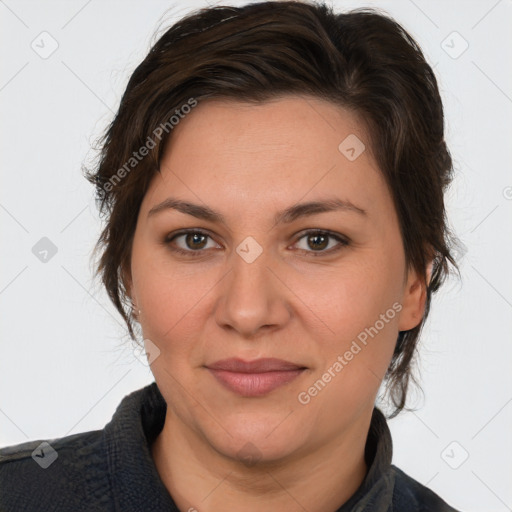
[287, 127]
[268, 154]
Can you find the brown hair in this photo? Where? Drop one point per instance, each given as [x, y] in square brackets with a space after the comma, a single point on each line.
[360, 60]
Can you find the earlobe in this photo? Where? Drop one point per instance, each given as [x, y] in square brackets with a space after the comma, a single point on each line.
[135, 311]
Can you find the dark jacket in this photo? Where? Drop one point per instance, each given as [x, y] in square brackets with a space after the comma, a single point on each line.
[112, 469]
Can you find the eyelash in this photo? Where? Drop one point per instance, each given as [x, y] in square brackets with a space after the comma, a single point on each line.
[343, 242]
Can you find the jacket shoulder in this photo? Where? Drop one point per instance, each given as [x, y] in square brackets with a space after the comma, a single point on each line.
[410, 495]
[67, 473]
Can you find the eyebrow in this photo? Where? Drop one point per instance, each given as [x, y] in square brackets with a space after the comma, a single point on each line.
[283, 217]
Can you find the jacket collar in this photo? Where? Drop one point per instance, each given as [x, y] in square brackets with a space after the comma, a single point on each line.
[136, 484]
[375, 494]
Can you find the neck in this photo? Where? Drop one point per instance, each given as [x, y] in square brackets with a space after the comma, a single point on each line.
[200, 478]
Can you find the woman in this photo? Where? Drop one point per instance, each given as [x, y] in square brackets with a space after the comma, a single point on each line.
[275, 227]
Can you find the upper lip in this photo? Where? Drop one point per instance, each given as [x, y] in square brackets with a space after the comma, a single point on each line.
[257, 366]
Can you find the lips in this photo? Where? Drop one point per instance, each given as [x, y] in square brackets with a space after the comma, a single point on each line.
[254, 378]
[256, 366]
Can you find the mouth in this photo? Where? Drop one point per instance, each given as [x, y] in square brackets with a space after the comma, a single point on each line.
[254, 378]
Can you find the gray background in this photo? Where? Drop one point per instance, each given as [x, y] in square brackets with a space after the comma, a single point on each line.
[65, 361]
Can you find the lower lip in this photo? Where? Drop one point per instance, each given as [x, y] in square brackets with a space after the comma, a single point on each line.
[254, 384]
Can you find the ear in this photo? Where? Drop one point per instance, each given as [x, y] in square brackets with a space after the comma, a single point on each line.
[414, 298]
[126, 279]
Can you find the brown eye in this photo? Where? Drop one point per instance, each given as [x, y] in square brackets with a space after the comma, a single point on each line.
[195, 240]
[190, 242]
[318, 243]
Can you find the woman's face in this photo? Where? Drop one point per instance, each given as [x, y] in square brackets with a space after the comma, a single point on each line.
[261, 283]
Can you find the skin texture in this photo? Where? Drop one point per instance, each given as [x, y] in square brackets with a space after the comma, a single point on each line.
[293, 302]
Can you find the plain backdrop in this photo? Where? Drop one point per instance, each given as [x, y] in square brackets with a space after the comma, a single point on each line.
[65, 360]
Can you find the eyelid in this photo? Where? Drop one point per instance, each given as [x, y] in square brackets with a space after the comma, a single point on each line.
[342, 240]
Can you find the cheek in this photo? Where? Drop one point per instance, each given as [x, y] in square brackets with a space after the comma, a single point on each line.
[177, 302]
[171, 305]
[346, 299]
[356, 350]
[358, 305]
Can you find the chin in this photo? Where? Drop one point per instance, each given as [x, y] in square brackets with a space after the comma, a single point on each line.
[258, 441]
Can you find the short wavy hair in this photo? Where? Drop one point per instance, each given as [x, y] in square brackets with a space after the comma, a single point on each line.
[360, 60]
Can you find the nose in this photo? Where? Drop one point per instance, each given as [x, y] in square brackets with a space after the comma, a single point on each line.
[252, 298]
